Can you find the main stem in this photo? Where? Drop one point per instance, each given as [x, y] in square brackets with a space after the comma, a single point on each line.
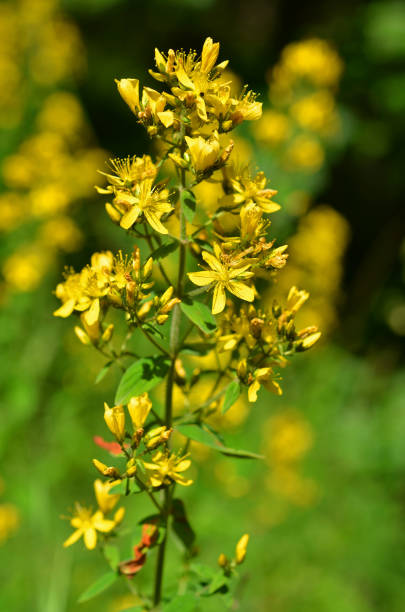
[174, 349]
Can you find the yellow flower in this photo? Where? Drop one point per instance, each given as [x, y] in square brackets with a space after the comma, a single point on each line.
[105, 501]
[144, 200]
[246, 190]
[167, 468]
[262, 377]
[240, 551]
[224, 276]
[115, 420]
[139, 408]
[129, 91]
[126, 172]
[209, 55]
[87, 525]
[204, 153]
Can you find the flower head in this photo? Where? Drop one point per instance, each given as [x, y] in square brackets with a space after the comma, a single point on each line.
[224, 275]
[166, 468]
[87, 524]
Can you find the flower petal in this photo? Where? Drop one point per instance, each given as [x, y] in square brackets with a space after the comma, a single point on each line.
[90, 538]
[130, 217]
[219, 299]
[202, 278]
[242, 291]
[154, 221]
[76, 535]
[66, 309]
[212, 261]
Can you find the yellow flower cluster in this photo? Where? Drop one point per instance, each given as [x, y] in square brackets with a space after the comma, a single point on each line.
[136, 198]
[303, 114]
[259, 340]
[112, 281]
[56, 166]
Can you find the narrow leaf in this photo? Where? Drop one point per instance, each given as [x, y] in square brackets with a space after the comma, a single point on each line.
[141, 376]
[188, 203]
[197, 348]
[181, 525]
[112, 554]
[232, 393]
[199, 314]
[98, 586]
[103, 372]
[219, 583]
[164, 250]
[194, 432]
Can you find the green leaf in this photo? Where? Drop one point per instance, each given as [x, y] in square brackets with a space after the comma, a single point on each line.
[232, 393]
[181, 603]
[98, 586]
[181, 526]
[112, 555]
[188, 203]
[199, 314]
[197, 348]
[125, 487]
[103, 372]
[141, 376]
[204, 572]
[219, 583]
[164, 250]
[196, 433]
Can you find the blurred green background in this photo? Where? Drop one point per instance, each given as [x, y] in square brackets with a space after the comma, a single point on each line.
[326, 510]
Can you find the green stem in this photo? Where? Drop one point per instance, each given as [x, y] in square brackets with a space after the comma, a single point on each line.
[174, 349]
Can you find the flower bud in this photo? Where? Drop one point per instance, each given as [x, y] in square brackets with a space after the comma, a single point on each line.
[165, 297]
[144, 309]
[222, 560]
[115, 420]
[240, 552]
[139, 408]
[147, 269]
[131, 467]
[81, 334]
[157, 436]
[108, 332]
[242, 368]
[113, 213]
[111, 472]
[162, 319]
[170, 305]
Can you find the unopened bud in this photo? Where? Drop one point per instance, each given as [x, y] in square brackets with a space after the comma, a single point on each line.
[131, 467]
[111, 472]
[147, 269]
[242, 368]
[144, 309]
[240, 552]
[162, 318]
[108, 332]
[81, 334]
[165, 297]
[136, 259]
[113, 213]
[170, 305]
[222, 560]
[256, 326]
[157, 436]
